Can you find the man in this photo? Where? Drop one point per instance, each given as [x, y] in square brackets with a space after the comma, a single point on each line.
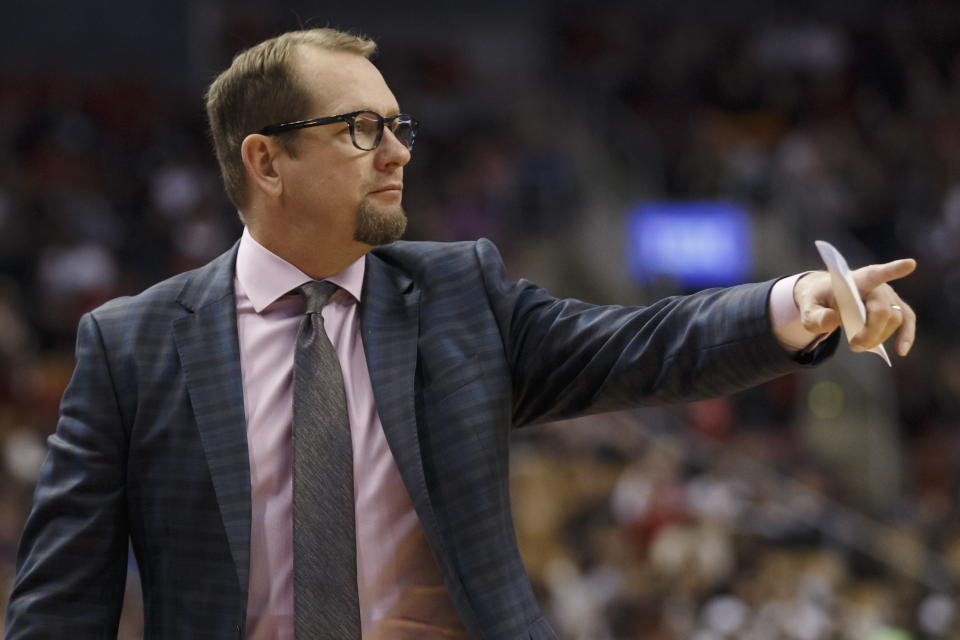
[215, 419]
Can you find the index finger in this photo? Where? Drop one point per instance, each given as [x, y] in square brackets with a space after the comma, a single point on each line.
[870, 277]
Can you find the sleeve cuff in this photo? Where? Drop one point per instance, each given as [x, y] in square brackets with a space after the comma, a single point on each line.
[785, 317]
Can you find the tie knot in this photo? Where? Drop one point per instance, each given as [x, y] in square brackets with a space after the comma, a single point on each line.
[317, 293]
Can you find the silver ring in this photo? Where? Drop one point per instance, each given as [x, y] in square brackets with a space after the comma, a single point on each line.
[897, 307]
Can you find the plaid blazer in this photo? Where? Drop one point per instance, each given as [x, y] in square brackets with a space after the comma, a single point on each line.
[151, 442]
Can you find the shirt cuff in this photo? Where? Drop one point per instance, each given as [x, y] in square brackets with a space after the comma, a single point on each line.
[785, 317]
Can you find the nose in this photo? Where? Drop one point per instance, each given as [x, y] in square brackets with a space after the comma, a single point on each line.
[391, 153]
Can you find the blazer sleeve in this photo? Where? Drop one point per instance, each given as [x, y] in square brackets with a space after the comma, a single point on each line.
[72, 559]
[570, 358]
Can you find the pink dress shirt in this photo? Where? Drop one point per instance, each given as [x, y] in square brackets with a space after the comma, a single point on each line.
[785, 317]
[400, 590]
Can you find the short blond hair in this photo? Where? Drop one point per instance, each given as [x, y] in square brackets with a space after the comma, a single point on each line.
[260, 88]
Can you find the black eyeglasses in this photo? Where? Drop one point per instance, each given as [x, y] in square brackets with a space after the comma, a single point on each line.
[366, 128]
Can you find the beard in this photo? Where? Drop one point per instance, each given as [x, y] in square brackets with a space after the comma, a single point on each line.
[376, 226]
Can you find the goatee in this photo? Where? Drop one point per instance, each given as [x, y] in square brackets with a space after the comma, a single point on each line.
[376, 227]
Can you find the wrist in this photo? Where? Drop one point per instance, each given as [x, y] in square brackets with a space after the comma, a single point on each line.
[797, 286]
[785, 320]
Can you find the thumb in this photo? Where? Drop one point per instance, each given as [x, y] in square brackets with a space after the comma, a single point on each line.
[870, 277]
[820, 320]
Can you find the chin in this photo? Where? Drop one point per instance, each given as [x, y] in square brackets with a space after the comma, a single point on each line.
[377, 225]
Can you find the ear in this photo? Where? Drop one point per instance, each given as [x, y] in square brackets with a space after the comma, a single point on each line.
[259, 153]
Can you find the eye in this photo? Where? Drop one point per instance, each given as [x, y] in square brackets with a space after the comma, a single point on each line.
[366, 124]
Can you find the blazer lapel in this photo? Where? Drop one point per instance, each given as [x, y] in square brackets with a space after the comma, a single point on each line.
[389, 318]
[210, 354]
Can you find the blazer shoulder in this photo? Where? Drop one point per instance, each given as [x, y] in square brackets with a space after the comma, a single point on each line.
[175, 296]
[421, 259]
[160, 295]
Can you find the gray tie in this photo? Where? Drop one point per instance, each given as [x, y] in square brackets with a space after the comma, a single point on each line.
[324, 526]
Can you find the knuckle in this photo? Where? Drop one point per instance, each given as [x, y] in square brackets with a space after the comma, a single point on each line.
[879, 303]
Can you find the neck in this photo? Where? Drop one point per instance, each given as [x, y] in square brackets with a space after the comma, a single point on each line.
[317, 255]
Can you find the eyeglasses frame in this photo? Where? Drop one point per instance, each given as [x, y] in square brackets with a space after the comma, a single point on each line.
[350, 119]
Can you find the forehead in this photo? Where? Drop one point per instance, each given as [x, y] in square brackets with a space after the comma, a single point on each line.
[340, 82]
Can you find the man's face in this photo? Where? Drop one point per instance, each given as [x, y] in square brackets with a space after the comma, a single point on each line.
[330, 186]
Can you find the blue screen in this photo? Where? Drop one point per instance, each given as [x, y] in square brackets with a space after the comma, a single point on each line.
[697, 243]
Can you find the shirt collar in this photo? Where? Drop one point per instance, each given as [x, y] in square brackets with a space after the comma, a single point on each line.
[265, 276]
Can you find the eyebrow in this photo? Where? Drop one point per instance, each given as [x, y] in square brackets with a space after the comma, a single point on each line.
[389, 113]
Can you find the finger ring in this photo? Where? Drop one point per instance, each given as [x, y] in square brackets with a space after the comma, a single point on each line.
[897, 307]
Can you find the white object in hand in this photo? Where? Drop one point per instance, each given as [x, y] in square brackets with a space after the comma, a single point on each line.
[853, 314]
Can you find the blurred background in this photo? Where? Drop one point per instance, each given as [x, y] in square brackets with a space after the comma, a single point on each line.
[615, 152]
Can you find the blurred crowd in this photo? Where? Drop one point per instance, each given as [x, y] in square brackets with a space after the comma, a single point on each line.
[818, 506]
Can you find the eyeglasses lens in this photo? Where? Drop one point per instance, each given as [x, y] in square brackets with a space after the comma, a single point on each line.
[368, 132]
[405, 130]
